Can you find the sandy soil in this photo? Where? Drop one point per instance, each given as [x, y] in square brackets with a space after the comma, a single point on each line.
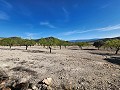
[87, 69]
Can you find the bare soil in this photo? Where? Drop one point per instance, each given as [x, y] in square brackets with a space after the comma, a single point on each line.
[88, 69]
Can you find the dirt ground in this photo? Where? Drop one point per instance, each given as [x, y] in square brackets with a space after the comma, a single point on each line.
[88, 69]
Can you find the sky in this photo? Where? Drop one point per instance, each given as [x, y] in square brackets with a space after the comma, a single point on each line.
[64, 19]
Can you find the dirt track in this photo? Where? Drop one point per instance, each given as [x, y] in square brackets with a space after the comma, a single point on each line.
[84, 69]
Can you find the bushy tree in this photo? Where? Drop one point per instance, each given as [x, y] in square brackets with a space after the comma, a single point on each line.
[12, 41]
[8, 42]
[27, 42]
[81, 44]
[98, 44]
[66, 43]
[42, 42]
[59, 43]
[115, 43]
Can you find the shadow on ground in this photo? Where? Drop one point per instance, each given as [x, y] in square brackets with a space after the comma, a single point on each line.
[103, 53]
[74, 49]
[34, 51]
[21, 69]
[38, 51]
[90, 49]
[114, 60]
[11, 49]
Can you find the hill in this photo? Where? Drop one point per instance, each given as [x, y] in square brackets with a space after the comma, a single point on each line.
[105, 39]
[94, 40]
[84, 40]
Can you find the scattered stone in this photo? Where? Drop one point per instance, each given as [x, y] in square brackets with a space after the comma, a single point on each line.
[22, 86]
[6, 88]
[43, 87]
[22, 80]
[3, 78]
[32, 86]
[47, 81]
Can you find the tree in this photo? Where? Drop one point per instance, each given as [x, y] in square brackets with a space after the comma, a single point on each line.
[26, 42]
[12, 41]
[43, 42]
[59, 43]
[98, 44]
[65, 43]
[8, 42]
[50, 43]
[115, 43]
[81, 44]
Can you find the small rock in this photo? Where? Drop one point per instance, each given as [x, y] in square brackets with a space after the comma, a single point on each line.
[22, 86]
[6, 88]
[2, 84]
[44, 87]
[32, 86]
[49, 88]
[25, 79]
[47, 81]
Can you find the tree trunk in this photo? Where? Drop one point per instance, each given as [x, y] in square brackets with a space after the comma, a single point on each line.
[98, 48]
[26, 47]
[65, 46]
[10, 46]
[60, 46]
[117, 50]
[80, 47]
[43, 46]
[50, 49]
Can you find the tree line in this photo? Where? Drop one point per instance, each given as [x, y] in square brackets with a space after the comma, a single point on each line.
[111, 44]
[51, 41]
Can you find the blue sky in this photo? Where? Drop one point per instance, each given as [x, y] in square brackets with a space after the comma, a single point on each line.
[64, 19]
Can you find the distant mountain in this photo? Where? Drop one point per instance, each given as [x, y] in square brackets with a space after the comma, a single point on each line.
[93, 40]
[1, 38]
[105, 39]
[48, 38]
[84, 40]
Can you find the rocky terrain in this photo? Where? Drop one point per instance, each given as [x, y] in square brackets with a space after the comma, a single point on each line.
[65, 69]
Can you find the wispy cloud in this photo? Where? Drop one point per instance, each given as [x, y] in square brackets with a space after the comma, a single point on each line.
[66, 14]
[6, 4]
[76, 32]
[48, 24]
[30, 35]
[4, 16]
[105, 6]
[70, 32]
[108, 28]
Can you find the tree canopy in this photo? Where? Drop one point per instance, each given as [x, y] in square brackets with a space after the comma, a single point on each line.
[98, 44]
[115, 43]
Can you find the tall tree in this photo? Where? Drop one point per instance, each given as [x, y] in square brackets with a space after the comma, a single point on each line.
[98, 44]
[81, 44]
[115, 43]
[26, 42]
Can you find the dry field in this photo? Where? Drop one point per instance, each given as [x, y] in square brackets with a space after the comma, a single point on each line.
[88, 69]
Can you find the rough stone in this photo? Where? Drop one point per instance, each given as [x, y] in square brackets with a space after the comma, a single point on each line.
[47, 81]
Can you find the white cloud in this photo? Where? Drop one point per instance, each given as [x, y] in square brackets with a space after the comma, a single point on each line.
[70, 32]
[47, 24]
[76, 32]
[3, 16]
[66, 14]
[6, 4]
[30, 35]
[108, 28]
